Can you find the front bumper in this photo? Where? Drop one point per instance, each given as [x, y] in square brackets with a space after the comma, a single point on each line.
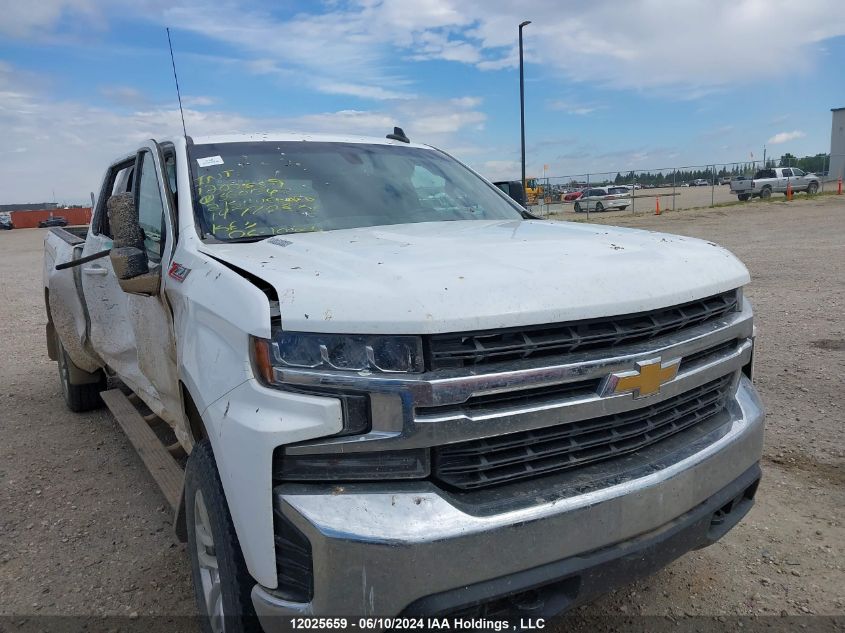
[385, 549]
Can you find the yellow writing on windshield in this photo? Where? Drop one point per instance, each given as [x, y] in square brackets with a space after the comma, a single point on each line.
[237, 207]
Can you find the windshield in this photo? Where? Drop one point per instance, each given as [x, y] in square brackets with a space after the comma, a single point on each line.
[255, 190]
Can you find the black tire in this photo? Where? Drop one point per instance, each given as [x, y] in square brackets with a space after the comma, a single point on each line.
[812, 188]
[80, 397]
[202, 482]
[577, 207]
[766, 193]
[743, 196]
[599, 207]
[623, 208]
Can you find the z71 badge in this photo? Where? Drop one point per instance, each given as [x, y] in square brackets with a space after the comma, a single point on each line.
[178, 272]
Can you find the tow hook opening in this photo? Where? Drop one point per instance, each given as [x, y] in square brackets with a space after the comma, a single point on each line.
[726, 516]
[548, 599]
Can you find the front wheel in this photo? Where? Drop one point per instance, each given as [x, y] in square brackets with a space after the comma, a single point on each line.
[222, 584]
[599, 207]
[577, 207]
[812, 188]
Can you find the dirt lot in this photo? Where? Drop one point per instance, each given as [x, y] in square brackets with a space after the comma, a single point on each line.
[83, 530]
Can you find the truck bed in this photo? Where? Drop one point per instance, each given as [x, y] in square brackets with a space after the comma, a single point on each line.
[72, 234]
[66, 310]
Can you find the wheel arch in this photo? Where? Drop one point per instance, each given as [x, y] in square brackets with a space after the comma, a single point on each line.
[198, 432]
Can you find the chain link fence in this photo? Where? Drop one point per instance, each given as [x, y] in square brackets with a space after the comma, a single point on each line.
[673, 188]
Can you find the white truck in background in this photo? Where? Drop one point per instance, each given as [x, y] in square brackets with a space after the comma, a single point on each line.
[774, 180]
[398, 391]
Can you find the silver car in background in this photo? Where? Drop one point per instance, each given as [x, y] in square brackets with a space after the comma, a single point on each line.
[604, 199]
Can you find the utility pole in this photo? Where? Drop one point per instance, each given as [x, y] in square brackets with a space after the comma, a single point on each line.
[522, 99]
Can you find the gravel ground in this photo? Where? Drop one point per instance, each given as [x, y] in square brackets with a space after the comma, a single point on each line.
[84, 531]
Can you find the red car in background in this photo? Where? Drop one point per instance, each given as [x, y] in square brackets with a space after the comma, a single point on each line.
[573, 195]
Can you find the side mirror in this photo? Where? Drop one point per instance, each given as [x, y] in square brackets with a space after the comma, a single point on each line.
[128, 256]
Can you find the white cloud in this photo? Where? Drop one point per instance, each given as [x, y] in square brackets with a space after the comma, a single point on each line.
[429, 121]
[574, 107]
[466, 102]
[352, 48]
[500, 169]
[124, 95]
[360, 90]
[198, 101]
[640, 46]
[75, 141]
[26, 19]
[785, 137]
[688, 50]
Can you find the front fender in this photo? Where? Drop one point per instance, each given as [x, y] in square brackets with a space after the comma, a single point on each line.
[215, 312]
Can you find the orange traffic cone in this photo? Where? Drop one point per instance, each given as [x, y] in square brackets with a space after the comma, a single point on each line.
[789, 191]
[657, 205]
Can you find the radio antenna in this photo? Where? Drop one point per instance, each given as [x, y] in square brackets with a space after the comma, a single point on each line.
[176, 79]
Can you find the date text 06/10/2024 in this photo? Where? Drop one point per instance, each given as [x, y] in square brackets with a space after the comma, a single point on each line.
[416, 624]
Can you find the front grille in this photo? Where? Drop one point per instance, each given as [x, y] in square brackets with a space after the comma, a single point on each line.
[488, 346]
[522, 397]
[507, 458]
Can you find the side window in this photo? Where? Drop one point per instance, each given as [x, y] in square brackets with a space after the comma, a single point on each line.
[797, 172]
[123, 180]
[118, 177]
[150, 207]
[170, 170]
[787, 173]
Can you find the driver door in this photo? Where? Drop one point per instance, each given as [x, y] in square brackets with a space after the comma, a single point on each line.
[151, 317]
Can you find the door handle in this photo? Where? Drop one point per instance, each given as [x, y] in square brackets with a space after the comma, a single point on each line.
[95, 270]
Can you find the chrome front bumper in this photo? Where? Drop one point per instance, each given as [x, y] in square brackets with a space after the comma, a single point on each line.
[378, 548]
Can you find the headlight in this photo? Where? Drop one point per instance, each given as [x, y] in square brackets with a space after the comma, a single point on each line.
[346, 352]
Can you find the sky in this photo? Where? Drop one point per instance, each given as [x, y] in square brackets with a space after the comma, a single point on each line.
[610, 85]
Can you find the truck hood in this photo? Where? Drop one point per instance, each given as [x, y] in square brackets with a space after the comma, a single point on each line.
[439, 277]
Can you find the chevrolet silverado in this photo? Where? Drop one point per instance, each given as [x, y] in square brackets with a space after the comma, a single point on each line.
[399, 392]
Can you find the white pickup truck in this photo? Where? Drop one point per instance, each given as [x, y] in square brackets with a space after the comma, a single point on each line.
[774, 180]
[399, 392]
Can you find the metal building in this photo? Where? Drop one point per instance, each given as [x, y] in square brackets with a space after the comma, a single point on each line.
[837, 144]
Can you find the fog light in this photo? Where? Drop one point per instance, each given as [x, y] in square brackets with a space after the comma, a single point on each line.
[408, 464]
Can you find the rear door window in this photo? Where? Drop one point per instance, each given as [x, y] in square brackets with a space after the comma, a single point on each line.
[119, 179]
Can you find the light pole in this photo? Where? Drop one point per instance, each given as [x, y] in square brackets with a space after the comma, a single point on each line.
[522, 99]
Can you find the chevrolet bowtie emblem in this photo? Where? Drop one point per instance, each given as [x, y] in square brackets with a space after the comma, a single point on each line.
[643, 381]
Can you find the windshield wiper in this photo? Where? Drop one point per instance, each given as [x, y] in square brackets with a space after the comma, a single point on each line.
[237, 240]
